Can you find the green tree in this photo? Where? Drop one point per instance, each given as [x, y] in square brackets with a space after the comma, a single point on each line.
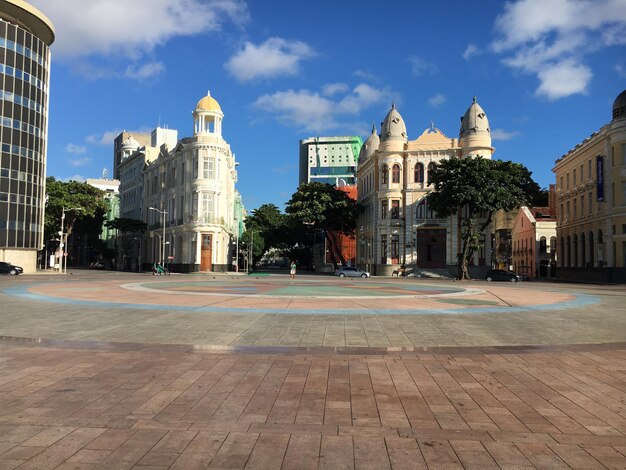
[324, 207]
[126, 226]
[81, 201]
[269, 225]
[474, 189]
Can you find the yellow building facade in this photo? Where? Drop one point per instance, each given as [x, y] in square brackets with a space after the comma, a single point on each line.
[591, 204]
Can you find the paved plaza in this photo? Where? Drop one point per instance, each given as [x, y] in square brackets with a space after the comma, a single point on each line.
[118, 370]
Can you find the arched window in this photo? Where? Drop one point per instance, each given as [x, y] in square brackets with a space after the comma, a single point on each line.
[431, 166]
[600, 238]
[562, 256]
[395, 173]
[385, 175]
[553, 245]
[418, 174]
[542, 245]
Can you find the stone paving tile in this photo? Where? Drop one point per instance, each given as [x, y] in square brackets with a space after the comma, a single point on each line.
[85, 405]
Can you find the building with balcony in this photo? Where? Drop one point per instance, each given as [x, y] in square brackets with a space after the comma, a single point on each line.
[191, 188]
[26, 35]
[591, 205]
[397, 227]
[331, 160]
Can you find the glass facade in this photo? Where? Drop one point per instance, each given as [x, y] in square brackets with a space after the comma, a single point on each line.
[24, 69]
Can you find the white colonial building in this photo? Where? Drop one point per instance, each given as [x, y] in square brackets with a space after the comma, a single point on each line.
[397, 228]
[189, 184]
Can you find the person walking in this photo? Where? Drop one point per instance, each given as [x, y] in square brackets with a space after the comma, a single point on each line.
[292, 270]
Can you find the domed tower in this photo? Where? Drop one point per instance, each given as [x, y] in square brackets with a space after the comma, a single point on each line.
[129, 146]
[619, 107]
[370, 145]
[475, 134]
[207, 117]
[393, 132]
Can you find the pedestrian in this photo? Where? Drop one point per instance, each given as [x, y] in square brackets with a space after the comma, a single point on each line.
[292, 270]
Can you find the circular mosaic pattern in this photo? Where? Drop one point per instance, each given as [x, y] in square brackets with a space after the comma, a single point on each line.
[300, 289]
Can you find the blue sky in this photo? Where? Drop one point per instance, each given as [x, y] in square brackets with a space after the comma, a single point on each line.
[545, 71]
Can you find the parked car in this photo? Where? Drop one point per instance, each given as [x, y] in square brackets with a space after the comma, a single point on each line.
[349, 271]
[8, 268]
[502, 275]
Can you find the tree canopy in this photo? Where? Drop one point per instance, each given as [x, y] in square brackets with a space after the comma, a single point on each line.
[81, 201]
[323, 207]
[475, 188]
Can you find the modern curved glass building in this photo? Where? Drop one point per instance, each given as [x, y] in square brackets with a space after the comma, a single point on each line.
[25, 38]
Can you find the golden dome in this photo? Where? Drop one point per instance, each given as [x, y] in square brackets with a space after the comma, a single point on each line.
[208, 103]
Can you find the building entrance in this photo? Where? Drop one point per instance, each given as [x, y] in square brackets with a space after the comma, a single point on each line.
[431, 248]
[205, 253]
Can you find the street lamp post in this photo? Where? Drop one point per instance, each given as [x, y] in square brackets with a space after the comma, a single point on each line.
[63, 260]
[163, 238]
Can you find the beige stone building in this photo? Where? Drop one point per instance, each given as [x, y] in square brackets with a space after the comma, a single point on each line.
[397, 227]
[591, 206]
[194, 184]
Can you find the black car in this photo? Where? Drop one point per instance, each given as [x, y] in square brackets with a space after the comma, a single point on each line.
[8, 268]
[502, 275]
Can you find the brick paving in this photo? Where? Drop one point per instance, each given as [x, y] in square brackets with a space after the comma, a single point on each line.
[115, 407]
[100, 386]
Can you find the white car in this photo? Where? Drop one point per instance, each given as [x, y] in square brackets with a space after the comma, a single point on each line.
[349, 271]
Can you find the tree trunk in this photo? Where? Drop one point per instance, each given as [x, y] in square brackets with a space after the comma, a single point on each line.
[463, 255]
[331, 250]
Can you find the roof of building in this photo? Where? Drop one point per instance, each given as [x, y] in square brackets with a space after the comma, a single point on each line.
[208, 103]
[619, 106]
[30, 18]
[393, 127]
[474, 121]
[370, 145]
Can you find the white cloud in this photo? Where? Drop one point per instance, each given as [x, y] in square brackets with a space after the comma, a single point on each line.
[437, 100]
[331, 89]
[563, 79]
[150, 70]
[420, 66]
[275, 57]
[365, 75]
[109, 27]
[550, 38]
[107, 137]
[80, 161]
[310, 111]
[73, 148]
[501, 134]
[470, 51]
[621, 70]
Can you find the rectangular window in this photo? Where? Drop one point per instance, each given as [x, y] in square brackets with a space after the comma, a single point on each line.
[567, 181]
[194, 205]
[574, 177]
[582, 205]
[384, 208]
[209, 168]
[589, 169]
[194, 164]
[582, 173]
[623, 154]
[575, 212]
[208, 206]
[383, 249]
[590, 199]
[395, 209]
